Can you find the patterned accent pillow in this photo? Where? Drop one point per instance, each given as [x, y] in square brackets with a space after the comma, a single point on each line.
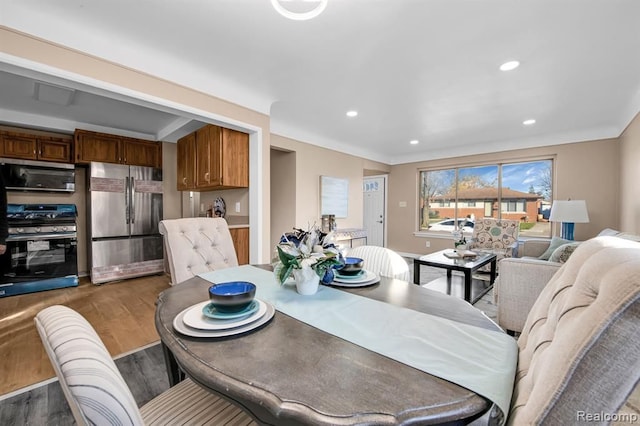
[555, 243]
[562, 253]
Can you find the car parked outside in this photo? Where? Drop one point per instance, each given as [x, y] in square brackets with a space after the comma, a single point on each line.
[449, 225]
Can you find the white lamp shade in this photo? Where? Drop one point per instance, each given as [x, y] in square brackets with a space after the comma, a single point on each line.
[572, 211]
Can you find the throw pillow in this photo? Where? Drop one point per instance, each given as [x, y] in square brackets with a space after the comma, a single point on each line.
[562, 253]
[608, 232]
[555, 243]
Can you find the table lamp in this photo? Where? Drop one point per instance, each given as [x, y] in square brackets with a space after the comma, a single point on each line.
[569, 212]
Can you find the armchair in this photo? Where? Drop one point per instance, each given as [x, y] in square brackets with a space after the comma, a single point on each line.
[495, 236]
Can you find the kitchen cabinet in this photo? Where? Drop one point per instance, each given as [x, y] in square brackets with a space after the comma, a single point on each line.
[34, 147]
[214, 158]
[106, 148]
[240, 237]
[222, 158]
[186, 169]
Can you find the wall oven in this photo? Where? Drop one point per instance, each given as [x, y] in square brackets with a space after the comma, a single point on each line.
[41, 249]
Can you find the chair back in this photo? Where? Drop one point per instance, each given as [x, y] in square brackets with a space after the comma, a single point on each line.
[382, 261]
[197, 244]
[94, 388]
[579, 351]
[491, 233]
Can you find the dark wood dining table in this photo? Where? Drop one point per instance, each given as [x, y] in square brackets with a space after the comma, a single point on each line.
[290, 373]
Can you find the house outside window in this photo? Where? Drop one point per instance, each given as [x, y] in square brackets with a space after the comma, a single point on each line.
[519, 191]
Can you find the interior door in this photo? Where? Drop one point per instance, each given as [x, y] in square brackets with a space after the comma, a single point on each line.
[374, 194]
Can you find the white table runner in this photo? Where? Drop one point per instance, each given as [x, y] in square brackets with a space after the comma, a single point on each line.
[478, 359]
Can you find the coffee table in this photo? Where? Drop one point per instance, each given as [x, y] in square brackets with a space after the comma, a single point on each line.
[465, 265]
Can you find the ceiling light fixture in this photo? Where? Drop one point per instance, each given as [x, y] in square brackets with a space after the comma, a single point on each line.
[414, 142]
[529, 122]
[352, 113]
[298, 13]
[508, 66]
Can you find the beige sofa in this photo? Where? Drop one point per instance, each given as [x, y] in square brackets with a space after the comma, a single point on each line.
[522, 279]
[579, 351]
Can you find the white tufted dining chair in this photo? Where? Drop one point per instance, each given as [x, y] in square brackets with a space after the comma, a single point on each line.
[97, 393]
[382, 261]
[197, 244]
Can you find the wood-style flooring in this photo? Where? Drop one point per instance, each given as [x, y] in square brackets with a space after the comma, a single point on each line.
[121, 312]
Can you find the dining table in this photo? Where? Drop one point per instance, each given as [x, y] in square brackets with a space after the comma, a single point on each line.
[293, 370]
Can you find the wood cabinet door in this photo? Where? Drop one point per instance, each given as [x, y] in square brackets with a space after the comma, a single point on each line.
[24, 147]
[100, 147]
[186, 165]
[235, 159]
[138, 152]
[208, 157]
[54, 149]
[240, 237]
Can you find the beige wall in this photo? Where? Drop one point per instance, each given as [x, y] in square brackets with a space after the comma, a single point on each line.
[311, 162]
[283, 193]
[630, 178]
[587, 170]
[66, 60]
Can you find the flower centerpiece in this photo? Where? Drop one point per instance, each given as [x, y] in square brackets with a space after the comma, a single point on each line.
[308, 255]
[459, 241]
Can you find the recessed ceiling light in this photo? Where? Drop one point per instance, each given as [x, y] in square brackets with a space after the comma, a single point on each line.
[529, 122]
[414, 142]
[508, 66]
[352, 113]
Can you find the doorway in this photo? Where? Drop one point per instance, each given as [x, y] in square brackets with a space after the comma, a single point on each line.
[374, 191]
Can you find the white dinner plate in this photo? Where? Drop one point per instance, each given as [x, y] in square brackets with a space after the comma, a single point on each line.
[180, 327]
[194, 318]
[358, 279]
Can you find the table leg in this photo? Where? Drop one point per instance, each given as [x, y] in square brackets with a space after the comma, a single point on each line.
[494, 267]
[416, 271]
[467, 285]
[173, 370]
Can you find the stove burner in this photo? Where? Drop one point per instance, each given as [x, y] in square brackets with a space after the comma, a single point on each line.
[41, 218]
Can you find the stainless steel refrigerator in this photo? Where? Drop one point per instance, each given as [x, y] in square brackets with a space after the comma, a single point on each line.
[125, 208]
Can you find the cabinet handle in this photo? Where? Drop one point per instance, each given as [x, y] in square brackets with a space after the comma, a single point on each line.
[184, 180]
[206, 176]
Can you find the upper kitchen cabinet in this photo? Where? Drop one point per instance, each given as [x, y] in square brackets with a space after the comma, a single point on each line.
[186, 168]
[138, 152]
[105, 148]
[34, 147]
[220, 158]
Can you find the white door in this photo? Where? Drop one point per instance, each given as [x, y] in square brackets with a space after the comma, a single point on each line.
[374, 209]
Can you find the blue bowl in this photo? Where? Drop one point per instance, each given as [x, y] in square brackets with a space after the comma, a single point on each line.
[352, 266]
[232, 296]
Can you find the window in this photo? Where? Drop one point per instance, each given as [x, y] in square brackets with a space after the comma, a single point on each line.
[519, 191]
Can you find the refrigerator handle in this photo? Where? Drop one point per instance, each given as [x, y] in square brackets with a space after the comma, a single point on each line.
[133, 200]
[126, 198]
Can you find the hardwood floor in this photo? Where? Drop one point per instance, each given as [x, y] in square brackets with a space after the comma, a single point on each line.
[121, 312]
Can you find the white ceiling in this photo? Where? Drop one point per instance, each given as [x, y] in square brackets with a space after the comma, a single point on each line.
[413, 69]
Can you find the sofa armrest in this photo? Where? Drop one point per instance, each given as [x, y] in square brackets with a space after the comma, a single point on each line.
[532, 247]
[518, 286]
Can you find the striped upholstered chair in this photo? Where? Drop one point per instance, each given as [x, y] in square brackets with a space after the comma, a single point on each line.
[98, 395]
